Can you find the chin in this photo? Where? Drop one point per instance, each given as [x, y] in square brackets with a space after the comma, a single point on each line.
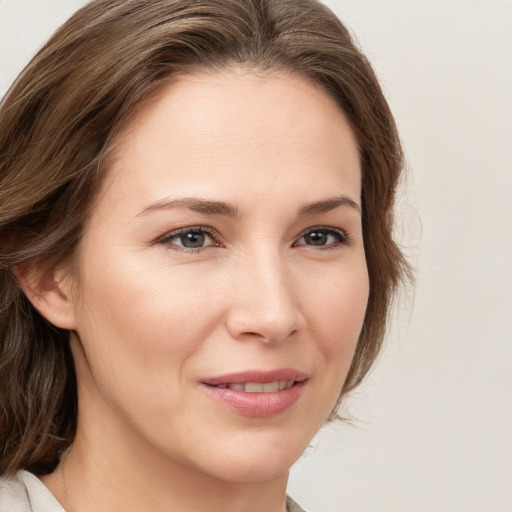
[261, 458]
[250, 470]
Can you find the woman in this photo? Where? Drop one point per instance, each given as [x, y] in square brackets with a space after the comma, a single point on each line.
[196, 208]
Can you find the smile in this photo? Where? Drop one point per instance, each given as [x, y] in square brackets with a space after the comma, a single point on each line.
[257, 394]
[255, 387]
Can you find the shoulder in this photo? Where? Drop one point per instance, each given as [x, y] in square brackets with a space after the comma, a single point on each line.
[19, 492]
[13, 494]
[24, 492]
[291, 506]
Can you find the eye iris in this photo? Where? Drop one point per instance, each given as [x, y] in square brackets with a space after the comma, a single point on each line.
[193, 240]
[316, 238]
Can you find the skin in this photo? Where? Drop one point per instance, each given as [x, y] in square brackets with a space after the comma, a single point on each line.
[152, 318]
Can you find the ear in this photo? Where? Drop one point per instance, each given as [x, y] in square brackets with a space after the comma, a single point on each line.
[49, 289]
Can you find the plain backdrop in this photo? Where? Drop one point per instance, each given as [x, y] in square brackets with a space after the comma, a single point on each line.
[432, 429]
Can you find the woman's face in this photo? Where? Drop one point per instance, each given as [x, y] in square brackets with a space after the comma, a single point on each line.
[221, 283]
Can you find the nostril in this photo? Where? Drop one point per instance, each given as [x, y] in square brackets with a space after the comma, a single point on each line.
[269, 336]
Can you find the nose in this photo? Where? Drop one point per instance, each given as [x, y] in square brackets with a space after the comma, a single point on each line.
[264, 305]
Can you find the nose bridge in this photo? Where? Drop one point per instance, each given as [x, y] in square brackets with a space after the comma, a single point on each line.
[265, 304]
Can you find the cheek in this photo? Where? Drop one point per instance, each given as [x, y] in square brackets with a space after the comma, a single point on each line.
[139, 330]
[140, 322]
[127, 290]
[336, 315]
[336, 307]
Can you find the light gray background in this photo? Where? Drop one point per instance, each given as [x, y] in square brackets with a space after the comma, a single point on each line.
[434, 429]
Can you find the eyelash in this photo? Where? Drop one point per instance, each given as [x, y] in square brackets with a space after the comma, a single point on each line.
[170, 237]
[341, 237]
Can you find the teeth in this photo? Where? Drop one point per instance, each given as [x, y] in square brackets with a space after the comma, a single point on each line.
[271, 387]
[255, 387]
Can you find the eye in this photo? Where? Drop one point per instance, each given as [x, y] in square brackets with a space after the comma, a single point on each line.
[324, 237]
[193, 238]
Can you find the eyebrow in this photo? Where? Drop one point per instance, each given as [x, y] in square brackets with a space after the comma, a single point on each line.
[210, 207]
[196, 204]
[329, 204]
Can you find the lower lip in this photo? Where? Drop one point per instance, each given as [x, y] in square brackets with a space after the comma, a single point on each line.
[257, 405]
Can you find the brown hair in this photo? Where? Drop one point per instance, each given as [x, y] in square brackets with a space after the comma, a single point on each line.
[59, 119]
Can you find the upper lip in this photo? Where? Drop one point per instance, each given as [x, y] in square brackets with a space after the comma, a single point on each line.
[257, 376]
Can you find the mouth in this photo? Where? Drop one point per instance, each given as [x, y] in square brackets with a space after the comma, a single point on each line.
[257, 393]
[256, 387]
[258, 381]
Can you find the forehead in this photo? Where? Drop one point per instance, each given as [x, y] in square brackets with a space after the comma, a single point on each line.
[206, 131]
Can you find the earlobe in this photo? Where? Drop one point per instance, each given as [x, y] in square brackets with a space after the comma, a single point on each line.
[49, 291]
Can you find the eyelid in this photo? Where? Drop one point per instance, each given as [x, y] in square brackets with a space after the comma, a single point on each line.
[166, 239]
[340, 234]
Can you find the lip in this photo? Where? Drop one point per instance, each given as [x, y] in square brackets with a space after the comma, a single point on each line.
[257, 405]
[258, 376]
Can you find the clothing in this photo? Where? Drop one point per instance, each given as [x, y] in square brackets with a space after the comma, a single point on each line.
[291, 506]
[26, 493]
